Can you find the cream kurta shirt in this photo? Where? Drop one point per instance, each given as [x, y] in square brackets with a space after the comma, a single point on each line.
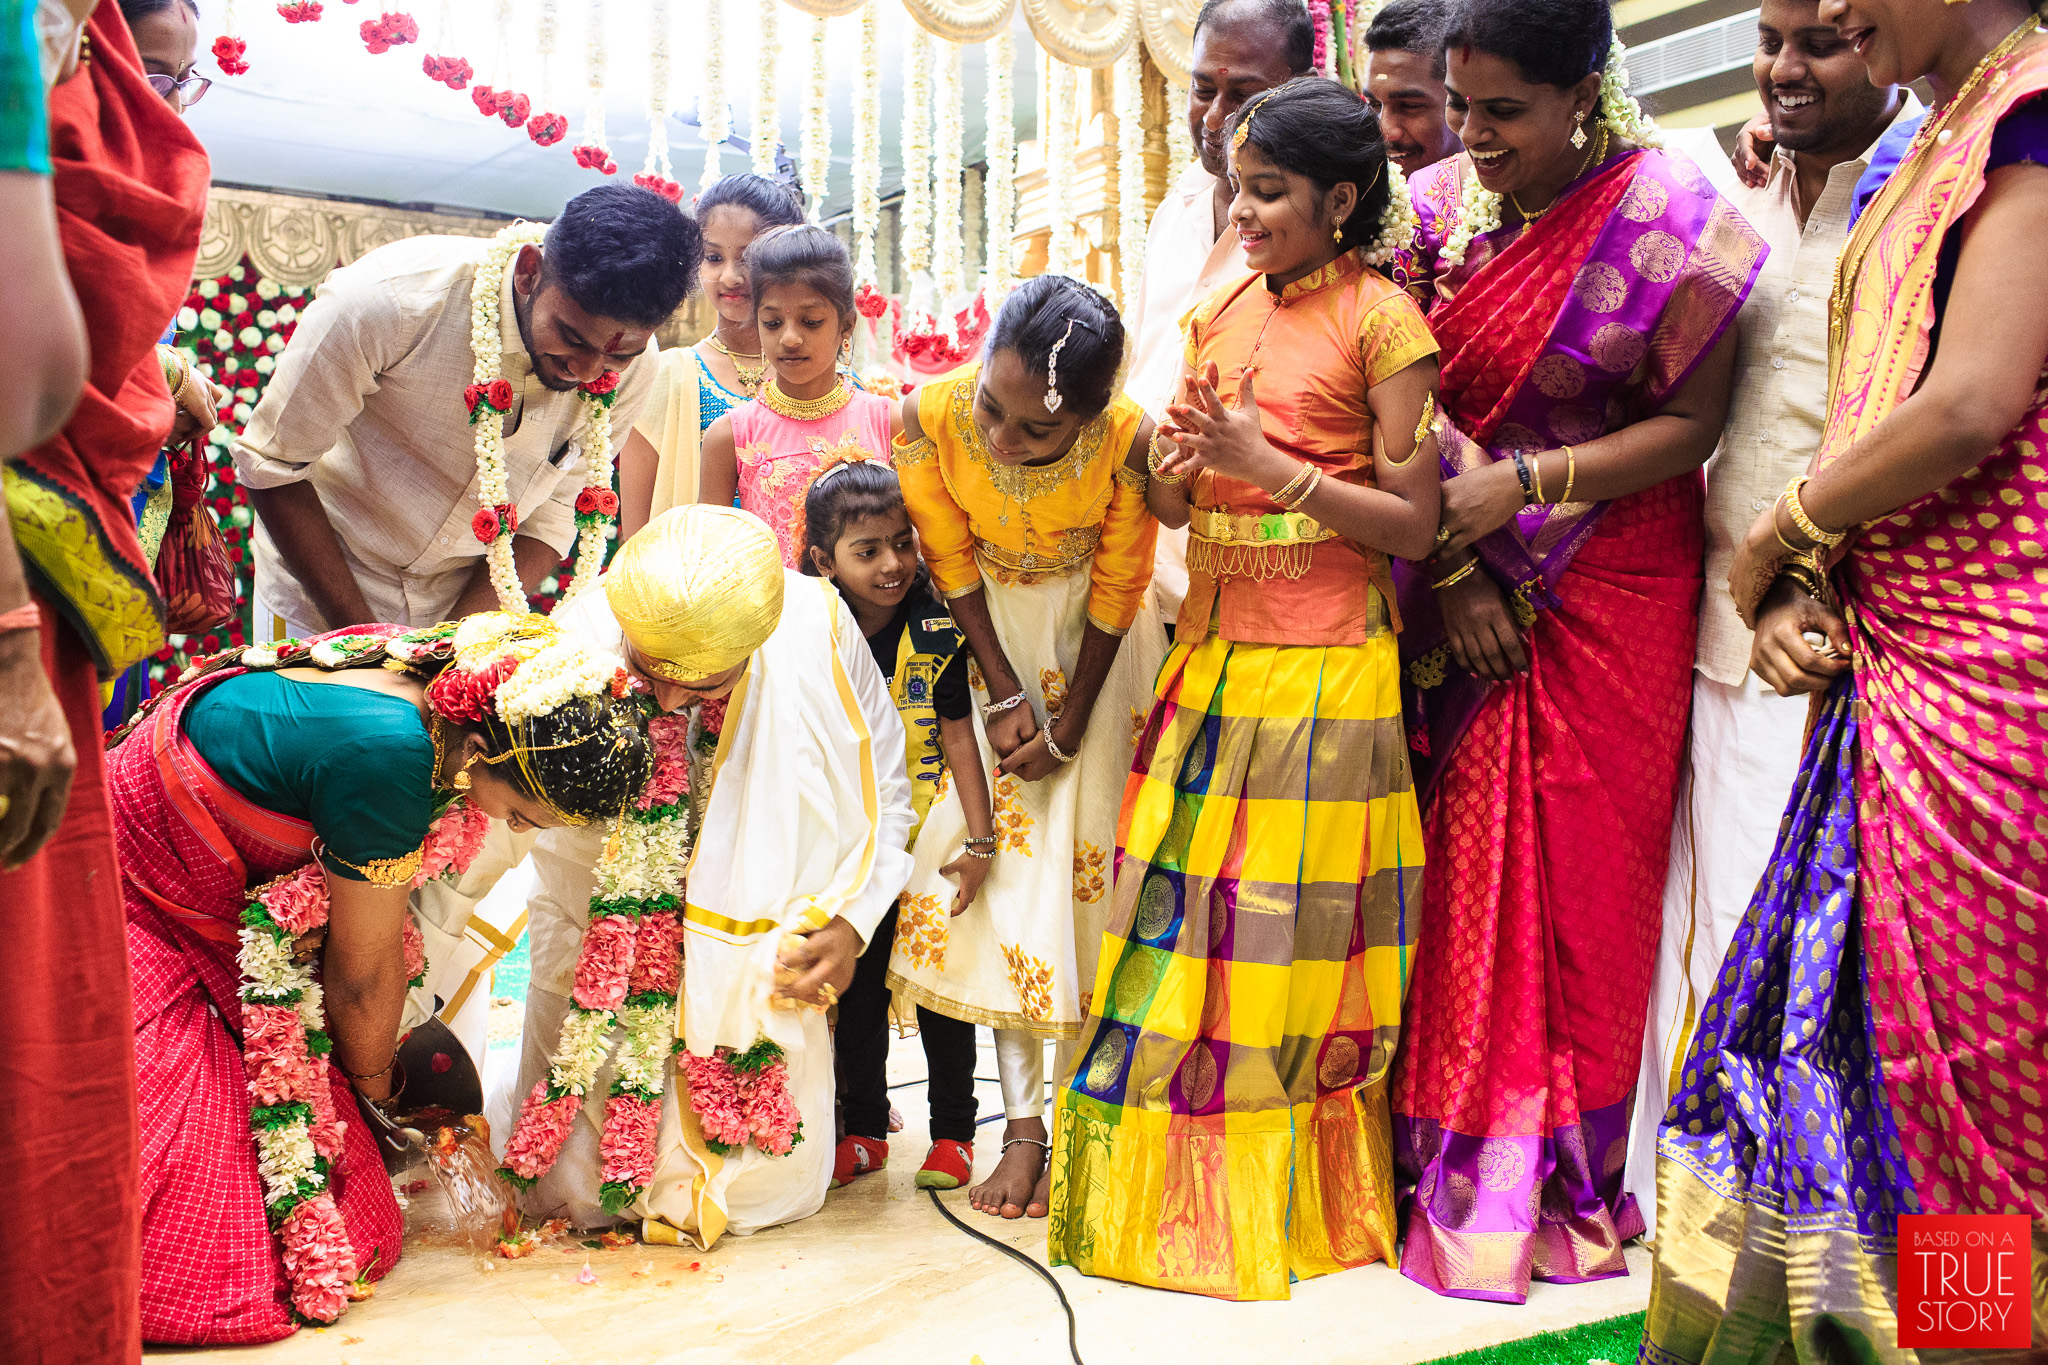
[1780, 397]
[367, 404]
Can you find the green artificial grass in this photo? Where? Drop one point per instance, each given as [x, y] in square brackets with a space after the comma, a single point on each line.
[1613, 1339]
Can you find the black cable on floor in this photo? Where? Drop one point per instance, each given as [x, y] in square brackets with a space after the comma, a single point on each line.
[1073, 1330]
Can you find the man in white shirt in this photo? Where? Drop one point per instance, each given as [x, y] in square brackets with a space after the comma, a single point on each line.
[802, 818]
[1404, 82]
[1241, 47]
[1745, 741]
[360, 459]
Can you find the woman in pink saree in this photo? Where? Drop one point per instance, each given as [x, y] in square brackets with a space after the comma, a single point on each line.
[1585, 286]
[1874, 1046]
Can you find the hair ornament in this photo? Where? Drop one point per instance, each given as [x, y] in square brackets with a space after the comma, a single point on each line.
[1052, 375]
[1244, 123]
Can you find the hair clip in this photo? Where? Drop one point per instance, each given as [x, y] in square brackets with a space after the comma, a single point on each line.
[1052, 375]
[1244, 127]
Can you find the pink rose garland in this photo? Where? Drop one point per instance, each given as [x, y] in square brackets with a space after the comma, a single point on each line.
[543, 1127]
[627, 1148]
[605, 964]
[657, 959]
[318, 1259]
[715, 1097]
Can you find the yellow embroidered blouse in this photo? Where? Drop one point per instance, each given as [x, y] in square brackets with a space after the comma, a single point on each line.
[1028, 523]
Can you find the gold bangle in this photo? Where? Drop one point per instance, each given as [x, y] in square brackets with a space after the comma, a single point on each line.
[1459, 574]
[1536, 475]
[1153, 459]
[1315, 478]
[1287, 490]
[1807, 526]
[1571, 473]
[1790, 548]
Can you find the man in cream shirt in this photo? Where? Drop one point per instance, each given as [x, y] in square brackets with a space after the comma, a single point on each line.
[360, 458]
[1745, 743]
[1241, 48]
[802, 820]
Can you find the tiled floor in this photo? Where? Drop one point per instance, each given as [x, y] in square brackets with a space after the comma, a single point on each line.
[879, 1276]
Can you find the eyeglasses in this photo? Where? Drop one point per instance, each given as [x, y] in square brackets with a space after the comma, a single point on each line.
[189, 90]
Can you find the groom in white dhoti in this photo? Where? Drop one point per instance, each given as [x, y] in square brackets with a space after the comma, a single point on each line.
[803, 810]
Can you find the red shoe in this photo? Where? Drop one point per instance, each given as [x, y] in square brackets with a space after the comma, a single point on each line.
[947, 1166]
[855, 1157]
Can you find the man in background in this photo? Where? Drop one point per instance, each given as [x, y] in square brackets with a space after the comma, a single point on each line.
[1825, 118]
[1241, 47]
[1404, 82]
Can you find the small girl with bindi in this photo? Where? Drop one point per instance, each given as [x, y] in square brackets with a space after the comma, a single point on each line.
[858, 535]
[809, 412]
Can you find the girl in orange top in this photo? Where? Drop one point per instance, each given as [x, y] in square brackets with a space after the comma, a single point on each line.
[1226, 1128]
[1025, 476]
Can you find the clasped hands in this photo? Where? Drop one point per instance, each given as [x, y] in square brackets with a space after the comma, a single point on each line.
[1788, 620]
[815, 967]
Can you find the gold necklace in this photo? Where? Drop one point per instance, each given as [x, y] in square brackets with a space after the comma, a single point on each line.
[804, 409]
[750, 379]
[1593, 155]
[1933, 130]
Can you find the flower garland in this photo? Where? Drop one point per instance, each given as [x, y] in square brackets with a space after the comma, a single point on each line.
[657, 173]
[949, 248]
[999, 184]
[1059, 133]
[817, 125]
[763, 130]
[628, 973]
[1398, 220]
[867, 146]
[1130, 176]
[229, 50]
[1319, 20]
[712, 119]
[1180, 143]
[593, 152]
[914, 215]
[1479, 208]
[490, 396]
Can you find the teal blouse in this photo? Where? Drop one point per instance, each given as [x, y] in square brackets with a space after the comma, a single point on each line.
[358, 765]
[24, 126]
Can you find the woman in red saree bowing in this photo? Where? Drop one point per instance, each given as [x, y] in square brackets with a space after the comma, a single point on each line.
[272, 811]
[1585, 286]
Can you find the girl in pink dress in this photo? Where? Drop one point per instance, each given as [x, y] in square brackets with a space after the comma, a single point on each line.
[771, 448]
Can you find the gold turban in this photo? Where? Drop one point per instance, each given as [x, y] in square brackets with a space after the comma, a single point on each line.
[697, 591]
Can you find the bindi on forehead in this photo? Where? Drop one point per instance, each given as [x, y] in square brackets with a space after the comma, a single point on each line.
[614, 341]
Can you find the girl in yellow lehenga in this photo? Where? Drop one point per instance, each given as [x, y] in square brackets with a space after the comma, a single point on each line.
[1226, 1131]
[1025, 476]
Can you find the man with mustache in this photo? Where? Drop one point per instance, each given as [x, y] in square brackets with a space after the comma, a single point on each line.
[1826, 118]
[1404, 82]
[1241, 47]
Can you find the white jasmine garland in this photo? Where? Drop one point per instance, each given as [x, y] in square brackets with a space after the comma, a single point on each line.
[260, 656]
[544, 44]
[1130, 176]
[657, 162]
[766, 138]
[914, 221]
[313, 1006]
[867, 146]
[551, 677]
[1180, 143]
[1060, 132]
[1397, 220]
[1478, 214]
[642, 1058]
[267, 966]
[816, 139]
[948, 246]
[712, 121]
[593, 74]
[999, 188]
[1618, 109]
[284, 1158]
[586, 1039]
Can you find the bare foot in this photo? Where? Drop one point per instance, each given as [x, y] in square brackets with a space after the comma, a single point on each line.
[1020, 1178]
[1041, 1197]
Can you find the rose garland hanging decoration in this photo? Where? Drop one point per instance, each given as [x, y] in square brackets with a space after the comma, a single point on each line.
[949, 248]
[387, 31]
[867, 151]
[656, 173]
[548, 127]
[713, 121]
[999, 186]
[229, 50]
[592, 153]
[1130, 176]
[816, 138]
[489, 397]
[763, 128]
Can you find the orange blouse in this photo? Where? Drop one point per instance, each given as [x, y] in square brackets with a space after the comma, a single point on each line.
[1027, 523]
[1265, 576]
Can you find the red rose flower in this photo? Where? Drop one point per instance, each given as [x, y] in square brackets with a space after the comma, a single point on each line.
[871, 302]
[603, 384]
[501, 394]
[512, 112]
[228, 52]
[586, 501]
[607, 502]
[484, 525]
[547, 129]
[485, 99]
[473, 395]
[465, 697]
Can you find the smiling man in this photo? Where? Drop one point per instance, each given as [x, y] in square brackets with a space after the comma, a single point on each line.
[1825, 117]
[1404, 82]
[360, 459]
[1241, 47]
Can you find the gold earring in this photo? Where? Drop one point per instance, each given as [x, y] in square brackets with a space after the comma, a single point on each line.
[1337, 233]
[461, 781]
[1579, 130]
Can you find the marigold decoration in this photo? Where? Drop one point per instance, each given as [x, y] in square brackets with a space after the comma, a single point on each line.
[387, 31]
[1130, 176]
[816, 137]
[867, 160]
[914, 214]
[999, 185]
[949, 246]
[713, 120]
[762, 127]
[453, 72]
[497, 519]
[300, 12]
